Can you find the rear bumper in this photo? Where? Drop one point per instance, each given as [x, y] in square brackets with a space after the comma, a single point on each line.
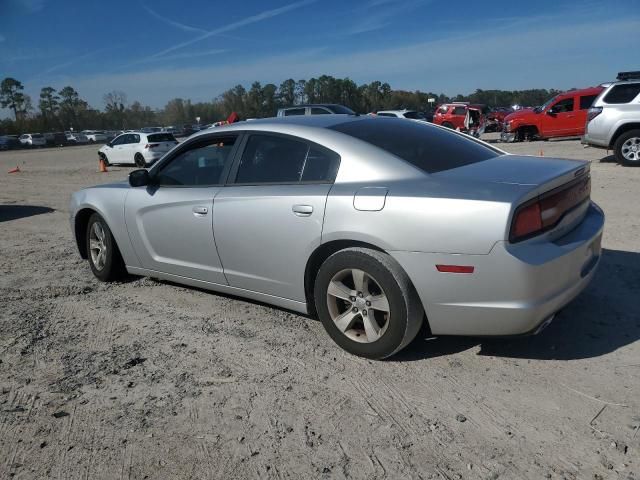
[594, 142]
[514, 289]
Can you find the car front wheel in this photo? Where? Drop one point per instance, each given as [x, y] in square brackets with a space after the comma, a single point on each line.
[104, 257]
[367, 303]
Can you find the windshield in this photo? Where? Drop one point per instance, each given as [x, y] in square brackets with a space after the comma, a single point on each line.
[545, 105]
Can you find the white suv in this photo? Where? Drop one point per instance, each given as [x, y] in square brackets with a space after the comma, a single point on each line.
[613, 121]
[32, 140]
[141, 149]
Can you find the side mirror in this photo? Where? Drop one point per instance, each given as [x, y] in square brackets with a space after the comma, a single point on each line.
[139, 178]
[551, 112]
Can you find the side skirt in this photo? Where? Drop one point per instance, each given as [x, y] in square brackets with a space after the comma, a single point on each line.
[294, 305]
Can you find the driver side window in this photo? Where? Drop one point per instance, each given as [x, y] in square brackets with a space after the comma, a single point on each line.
[202, 164]
[563, 106]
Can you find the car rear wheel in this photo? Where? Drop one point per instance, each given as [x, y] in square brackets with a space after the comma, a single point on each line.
[627, 148]
[367, 303]
[448, 125]
[139, 160]
[104, 257]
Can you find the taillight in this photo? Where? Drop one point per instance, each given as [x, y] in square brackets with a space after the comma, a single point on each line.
[151, 145]
[545, 212]
[526, 222]
[593, 113]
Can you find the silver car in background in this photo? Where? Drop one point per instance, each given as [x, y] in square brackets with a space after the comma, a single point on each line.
[375, 225]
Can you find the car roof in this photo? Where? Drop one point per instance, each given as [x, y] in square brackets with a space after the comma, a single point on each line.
[582, 91]
[315, 121]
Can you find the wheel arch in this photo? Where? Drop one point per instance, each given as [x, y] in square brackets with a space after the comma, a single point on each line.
[621, 130]
[81, 222]
[324, 251]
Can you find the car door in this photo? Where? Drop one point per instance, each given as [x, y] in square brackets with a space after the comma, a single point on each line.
[170, 222]
[559, 119]
[268, 219]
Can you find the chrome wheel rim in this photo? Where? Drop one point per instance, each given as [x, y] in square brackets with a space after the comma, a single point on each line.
[631, 149]
[358, 305]
[97, 246]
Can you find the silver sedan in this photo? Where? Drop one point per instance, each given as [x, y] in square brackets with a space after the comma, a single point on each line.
[376, 225]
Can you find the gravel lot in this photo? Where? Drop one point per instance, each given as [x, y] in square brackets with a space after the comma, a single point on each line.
[146, 379]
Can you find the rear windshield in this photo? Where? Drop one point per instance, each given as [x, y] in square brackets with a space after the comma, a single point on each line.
[414, 115]
[161, 137]
[425, 146]
[341, 109]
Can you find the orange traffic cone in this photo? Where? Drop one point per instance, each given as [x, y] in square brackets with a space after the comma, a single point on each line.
[15, 170]
[541, 153]
[103, 166]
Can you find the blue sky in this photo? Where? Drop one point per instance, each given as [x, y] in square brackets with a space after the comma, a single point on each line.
[158, 50]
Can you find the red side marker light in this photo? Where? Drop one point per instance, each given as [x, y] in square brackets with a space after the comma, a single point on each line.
[455, 268]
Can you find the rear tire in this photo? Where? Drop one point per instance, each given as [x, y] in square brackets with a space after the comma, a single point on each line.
[102, 251]
[627, 148]
[367, 303]
[448, 125]
[139, 160]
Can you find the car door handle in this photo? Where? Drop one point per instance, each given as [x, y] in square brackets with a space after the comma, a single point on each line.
[200, 211]
[302, 210]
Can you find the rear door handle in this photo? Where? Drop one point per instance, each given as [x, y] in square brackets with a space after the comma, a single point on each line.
[200, 211]
[302, 210]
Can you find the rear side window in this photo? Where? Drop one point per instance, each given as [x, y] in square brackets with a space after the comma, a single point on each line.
[202, 164]
[276, 159]
[428, 148]
[294, 111]
[319, 111]
[587, 101]
[161, 137]
[623, 93]
[460, 111]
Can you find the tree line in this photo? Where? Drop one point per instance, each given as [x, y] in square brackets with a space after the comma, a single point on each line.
[64, 109]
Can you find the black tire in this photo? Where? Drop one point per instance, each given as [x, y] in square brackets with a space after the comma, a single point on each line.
[113, 267]
[618, 149]
[138, 159]
[448, 125]
[405, 309]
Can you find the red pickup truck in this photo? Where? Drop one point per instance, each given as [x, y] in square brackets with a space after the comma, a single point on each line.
[564, 115]
[461, 116]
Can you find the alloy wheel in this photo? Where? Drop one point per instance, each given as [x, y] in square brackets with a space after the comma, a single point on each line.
[358, 305]
[98, 246]
[631, 149]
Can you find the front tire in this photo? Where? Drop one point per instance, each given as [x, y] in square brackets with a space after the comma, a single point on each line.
[104, 257]
[105, 159]
[367, 303]
[627, 148]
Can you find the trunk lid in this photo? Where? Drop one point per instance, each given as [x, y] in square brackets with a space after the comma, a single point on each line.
[532, 177]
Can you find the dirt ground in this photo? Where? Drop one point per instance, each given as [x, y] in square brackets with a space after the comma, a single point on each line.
[145, 379]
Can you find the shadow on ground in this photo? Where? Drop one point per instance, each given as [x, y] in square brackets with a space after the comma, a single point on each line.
[14, 212]
[604, 318]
